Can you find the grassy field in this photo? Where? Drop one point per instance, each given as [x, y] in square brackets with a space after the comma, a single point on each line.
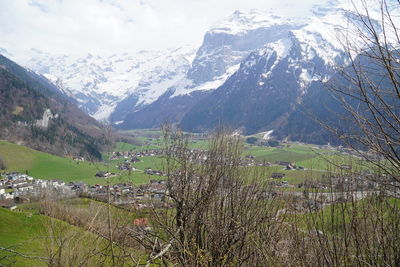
[302, 155]
[290, 154]
[121, 146]
[45, 166]
[306, 155]
[146, 144]
[29, 233]
[21, 232]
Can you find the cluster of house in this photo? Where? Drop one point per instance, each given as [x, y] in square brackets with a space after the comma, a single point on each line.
[18, 187]
[289, 166]
[250, 160]
[365, 181]
[131, 157]
[309, 184]
[150, 171]
[280, 184]
[313, 185]
[135, 155]
[128, 194]
[126, 166]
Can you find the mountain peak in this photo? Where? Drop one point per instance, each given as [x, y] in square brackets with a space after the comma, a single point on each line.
[244, 21]
[4, 52]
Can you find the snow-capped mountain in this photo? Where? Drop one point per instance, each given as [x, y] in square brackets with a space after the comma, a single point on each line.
[233, 49]
[227, 44]
[273, 82]
[224, 47]
[100, 82]
[252, 71]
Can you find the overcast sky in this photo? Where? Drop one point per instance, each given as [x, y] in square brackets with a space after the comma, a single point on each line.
[96, 26]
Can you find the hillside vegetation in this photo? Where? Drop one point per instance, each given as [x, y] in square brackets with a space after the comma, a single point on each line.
[34, 112]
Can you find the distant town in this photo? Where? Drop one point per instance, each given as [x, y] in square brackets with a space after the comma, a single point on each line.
[19, 188]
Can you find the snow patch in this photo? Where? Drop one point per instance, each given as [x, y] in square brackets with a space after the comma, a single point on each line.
[104, 112]
[185, 86]
[267, 135]
[306, 78]
[281, 47]
[47, 116]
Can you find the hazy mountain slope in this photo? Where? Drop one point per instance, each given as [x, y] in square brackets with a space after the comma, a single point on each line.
[100, 82]
[165, 109]
[322, 106]
[34, 113]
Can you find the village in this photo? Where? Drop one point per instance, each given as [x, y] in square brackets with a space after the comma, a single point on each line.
[19, 188]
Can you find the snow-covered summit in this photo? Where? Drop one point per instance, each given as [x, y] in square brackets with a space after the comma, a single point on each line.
[241, 22]
[229, 42]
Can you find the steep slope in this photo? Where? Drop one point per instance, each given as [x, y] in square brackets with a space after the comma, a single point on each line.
[33, 112]
[166, 109]
[262, 93]
[323, 106]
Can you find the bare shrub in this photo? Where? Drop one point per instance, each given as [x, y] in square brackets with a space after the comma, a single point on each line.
[223, 214]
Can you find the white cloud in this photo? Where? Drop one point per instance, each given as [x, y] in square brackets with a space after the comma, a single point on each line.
[99, 26]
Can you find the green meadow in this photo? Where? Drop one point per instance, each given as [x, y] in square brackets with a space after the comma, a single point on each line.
[33, 234]
[145, 145]
[45, 166]
[319, 160]
[122, 146]
[22, 232]
[29, 233]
